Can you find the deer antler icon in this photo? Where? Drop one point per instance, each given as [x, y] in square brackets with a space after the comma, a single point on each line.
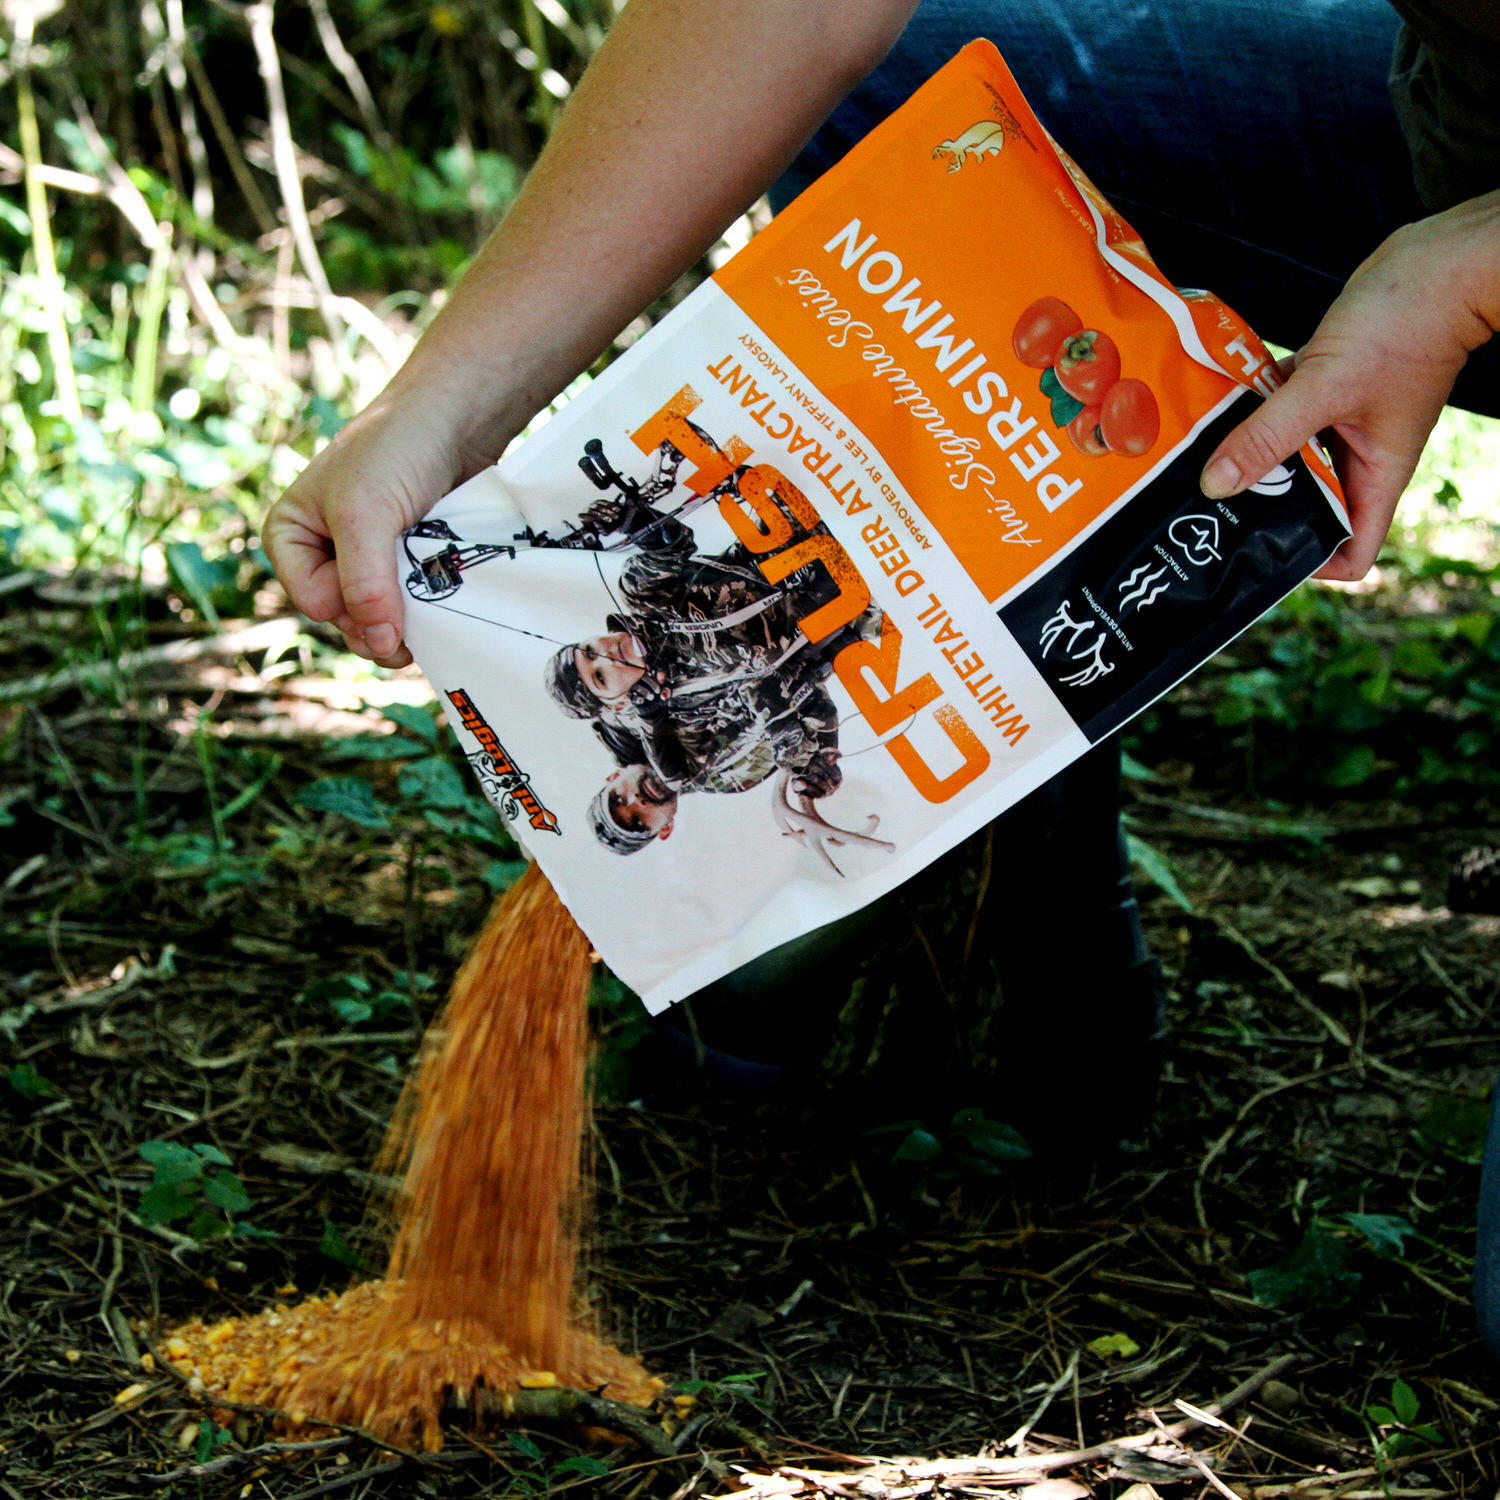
[800, 821]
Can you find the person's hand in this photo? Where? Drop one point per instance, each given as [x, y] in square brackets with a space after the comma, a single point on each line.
[820, 777]
[1376, 372]
[331, 537]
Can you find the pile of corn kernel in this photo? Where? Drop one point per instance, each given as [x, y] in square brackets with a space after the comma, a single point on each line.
[326, 1359]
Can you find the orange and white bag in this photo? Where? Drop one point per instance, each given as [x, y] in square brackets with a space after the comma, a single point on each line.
[889, 521]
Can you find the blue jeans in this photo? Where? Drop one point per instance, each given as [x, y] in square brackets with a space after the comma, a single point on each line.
[1252, 143]
[1253, 146]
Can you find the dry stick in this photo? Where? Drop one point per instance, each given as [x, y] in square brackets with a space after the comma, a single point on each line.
[197, 151]
[1331, 1026]
[1047, 1461]
[258, 17]
[264, 635]
[231, 1461]
[1241, 1115]
[1021, 1433]
[340, 56]
[575, 1409]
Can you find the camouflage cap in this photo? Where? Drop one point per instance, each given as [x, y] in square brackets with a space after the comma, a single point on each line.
[609, 833]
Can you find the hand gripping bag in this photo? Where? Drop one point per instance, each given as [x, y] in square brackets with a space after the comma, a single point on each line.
[891, 519]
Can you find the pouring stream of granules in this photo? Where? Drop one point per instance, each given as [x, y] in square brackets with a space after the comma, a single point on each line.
[479, 1288]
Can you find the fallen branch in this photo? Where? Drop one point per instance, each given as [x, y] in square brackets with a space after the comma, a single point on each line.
[886, 1479]
[569, 1408]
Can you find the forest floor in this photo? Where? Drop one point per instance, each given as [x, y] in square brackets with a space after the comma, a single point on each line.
[191, 955]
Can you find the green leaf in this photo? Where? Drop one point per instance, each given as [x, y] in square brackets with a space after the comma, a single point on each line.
[1405, 1401]
[582, 1463]
[373, 747]
[523, 1444]
[1381, 1416]
[163, 1203]
[160, 1152]
[213, 1155]
[1114, 1343]
[338, 1249]
[352, 1012]
[1353, 767]
[225, 1190]
[1315, 1274]
[28, 1083]
[990, 1137]
[210, 1437]
[1133, 770]
[15, 219]
[1051, 386]
[919, 1145]
[185, 1174]
[1388, 1233]
[1455, 1125]
[207, 1225]
[351, 797]
[1156, 868]
[413, 720]
[196, 575]
[1065, 408]
[432, 782]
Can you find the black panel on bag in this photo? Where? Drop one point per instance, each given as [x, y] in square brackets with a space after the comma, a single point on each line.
[1167, 581]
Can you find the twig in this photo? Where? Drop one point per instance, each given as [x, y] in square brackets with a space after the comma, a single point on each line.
[572, 1408]
[340, 57]
[258, 16]
[1021, 1433]
[231, 1461]
[1327, 1022]
[1042, 1462]
[343, 1481]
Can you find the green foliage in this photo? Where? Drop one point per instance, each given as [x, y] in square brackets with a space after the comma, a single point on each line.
[1148, 861]
[1318, 1272]
[211, 1437]
[196, 1184]
[341, 1252]
[728, 1389]
[1347, 694]
[354, 1000]
[621, 1024]
[433, 799]
[543, 1477]
[1454, 1126]
[970, 1145]
[1395, 1428]
[349, 797]
[25, 1081]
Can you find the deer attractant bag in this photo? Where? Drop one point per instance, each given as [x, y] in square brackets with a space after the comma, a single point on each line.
[889, 521]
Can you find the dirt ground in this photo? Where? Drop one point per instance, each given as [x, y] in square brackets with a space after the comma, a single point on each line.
[1333, 1037]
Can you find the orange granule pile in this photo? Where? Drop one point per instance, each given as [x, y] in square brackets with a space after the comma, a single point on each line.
[480, 1282]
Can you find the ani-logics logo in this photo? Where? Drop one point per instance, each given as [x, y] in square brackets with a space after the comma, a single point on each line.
[505, 784]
